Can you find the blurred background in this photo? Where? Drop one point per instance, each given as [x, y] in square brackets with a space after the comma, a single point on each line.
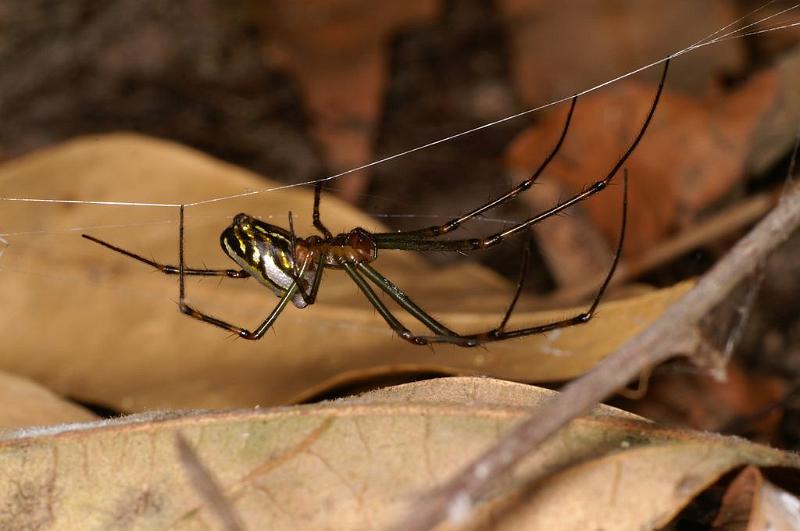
[302, 90]
[298, 91]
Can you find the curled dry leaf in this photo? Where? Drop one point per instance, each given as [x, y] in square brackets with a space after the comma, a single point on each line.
[756, 503]
[356, 464]
[693, 154]
[98, 326]
[25, 403]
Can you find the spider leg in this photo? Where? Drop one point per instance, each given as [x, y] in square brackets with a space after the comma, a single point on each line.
[317, 222]
[523, 274]
[373, 299]
[416, 242]
[293, 238]
[407, 304]
[309, 297]
[259, 332]
[404, 301]
[241, 332]
[453, 224]
[171, 269]
[444, 334]
[499, 333]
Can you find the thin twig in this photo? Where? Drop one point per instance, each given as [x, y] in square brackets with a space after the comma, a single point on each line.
[674, 333]
[207, 486]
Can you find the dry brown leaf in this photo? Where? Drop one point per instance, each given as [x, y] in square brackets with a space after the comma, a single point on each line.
[356, 464]
[752, 503]
[95, 325]
[704, 402]
[25, 403]
[691, 156]
[338, 52]
[771, 43]
[555, 46]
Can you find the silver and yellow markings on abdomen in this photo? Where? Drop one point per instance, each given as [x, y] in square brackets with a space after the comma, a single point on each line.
[264, 252]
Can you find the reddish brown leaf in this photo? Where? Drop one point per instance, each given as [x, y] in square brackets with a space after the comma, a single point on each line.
[337, 52]
[692, 155]
[555, 46]
[703, 402]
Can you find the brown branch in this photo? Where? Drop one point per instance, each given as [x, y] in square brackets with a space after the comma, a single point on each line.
[674, 333]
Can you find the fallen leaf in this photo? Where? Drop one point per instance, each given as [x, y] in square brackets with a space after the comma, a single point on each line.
[777, 125]
[555, 47]
[767, 17]
[357, 464]
[338, 51]
[692, 155]
[752, 503]
[25, 403]
[703, 402]
[95, 325]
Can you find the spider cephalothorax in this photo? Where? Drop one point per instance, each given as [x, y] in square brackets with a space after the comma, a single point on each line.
[292, 267]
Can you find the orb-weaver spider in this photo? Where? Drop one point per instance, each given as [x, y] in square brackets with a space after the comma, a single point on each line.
[292, 267]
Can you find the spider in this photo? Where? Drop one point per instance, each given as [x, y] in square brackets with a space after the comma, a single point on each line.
[292, 267]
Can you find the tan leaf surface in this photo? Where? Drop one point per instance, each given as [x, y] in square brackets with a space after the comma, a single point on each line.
[24, 403]
[356, 464]
[98, 326]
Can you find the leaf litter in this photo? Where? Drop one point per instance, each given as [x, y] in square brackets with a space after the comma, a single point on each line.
[356, 463]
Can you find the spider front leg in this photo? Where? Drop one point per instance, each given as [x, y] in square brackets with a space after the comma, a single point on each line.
[171, 269]
[258, 333]
[425, 240]
[455, 223]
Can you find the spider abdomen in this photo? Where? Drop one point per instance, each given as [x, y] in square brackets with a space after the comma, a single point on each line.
[265, 252]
